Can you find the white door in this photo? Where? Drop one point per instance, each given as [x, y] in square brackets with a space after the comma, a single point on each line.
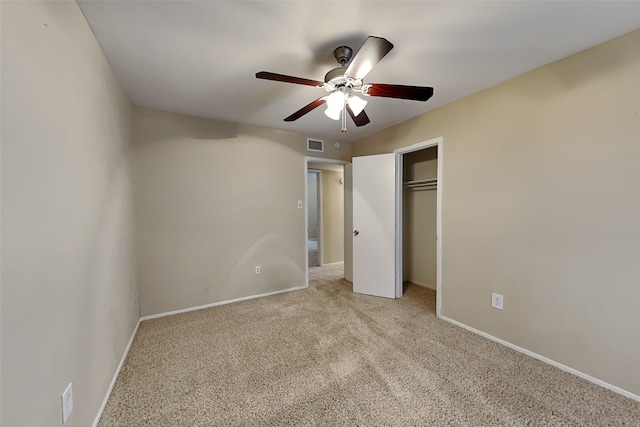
[348, 223]
[374, 185]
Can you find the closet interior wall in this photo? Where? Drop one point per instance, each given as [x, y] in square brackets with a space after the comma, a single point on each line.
[419, 218]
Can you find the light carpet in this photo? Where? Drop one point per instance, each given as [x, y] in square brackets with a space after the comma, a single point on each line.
[325, 356]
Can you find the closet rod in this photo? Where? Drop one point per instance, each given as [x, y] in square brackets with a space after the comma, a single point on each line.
[422, 184]
[421, 181]
[434, 187]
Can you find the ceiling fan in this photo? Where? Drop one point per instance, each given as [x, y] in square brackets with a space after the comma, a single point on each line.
[345, 82]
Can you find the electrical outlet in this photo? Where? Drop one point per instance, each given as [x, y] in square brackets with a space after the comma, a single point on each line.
[258, 269]
[497, 301]
[67, 403]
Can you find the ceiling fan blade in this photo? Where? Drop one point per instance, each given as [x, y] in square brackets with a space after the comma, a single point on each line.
[361, 119]
[415, 93]
[372, 51]
[304, 110]
[288, 79]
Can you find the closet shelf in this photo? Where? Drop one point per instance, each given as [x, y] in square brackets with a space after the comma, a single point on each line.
[422, 184]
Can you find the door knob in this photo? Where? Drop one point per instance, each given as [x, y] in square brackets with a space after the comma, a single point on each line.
[356, 232]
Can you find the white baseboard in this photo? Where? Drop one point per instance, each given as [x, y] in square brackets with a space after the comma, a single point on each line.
[558, 365]
[213, 304]
[433, 288]
[332, 263]
[115, 376]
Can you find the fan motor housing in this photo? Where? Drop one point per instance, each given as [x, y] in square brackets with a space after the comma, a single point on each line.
[343, 54]
[335, 76]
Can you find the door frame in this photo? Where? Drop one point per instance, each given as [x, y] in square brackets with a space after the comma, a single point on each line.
[307, 160]
[399, 157]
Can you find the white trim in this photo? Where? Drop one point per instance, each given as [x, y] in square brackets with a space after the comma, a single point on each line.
[546, 360]
[399, 152]
[306, 222]
[308, 159]
[214, 304]
[320, 214]
[419, 145]
[399, 262]
[439, 192]
[115, 376]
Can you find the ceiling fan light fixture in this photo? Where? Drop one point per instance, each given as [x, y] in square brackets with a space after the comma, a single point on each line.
[335, 101]
[357, 104]
[333, 113]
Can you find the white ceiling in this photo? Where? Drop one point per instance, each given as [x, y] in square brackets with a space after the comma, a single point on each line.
[200, 58]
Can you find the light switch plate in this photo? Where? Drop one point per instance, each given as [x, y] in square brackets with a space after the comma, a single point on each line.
[67, 403]
[497, 301]
[299, 204]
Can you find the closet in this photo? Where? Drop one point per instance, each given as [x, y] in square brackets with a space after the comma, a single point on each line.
[419, 208]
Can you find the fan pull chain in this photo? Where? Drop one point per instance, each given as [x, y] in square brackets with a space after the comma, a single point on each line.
[344, 117]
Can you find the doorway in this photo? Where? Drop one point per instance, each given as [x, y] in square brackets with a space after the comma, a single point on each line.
[314, 209]
[419, 204]
[385, 276]
[430, 154]
[326, 178]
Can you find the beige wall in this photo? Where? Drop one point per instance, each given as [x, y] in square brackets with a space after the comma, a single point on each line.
[332, 217]
[419, 223]
[541, 203]
[213, 200]
[68, 279]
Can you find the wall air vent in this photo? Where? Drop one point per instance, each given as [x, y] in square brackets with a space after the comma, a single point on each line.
[315, 145]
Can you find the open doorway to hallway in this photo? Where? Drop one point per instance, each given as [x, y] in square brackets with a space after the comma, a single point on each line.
[314, 205]
[324, 180]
